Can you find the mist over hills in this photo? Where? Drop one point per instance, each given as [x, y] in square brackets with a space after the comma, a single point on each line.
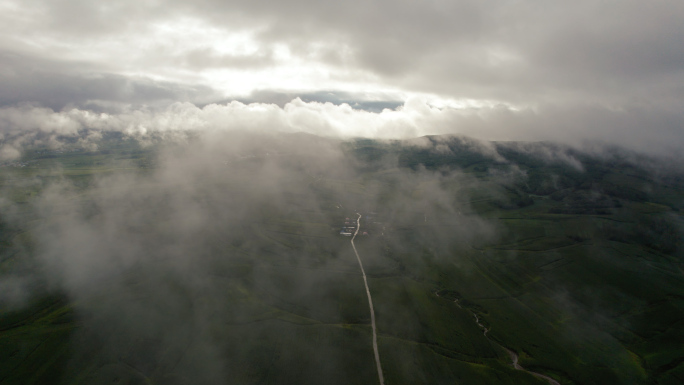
[217, 257]
[312, 191]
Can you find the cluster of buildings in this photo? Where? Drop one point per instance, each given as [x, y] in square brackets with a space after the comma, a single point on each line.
[348, 228]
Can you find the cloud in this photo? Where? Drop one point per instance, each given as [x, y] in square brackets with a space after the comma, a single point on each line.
[165, 267]
[608, 71]
[158, 265]
[578, 126]
[611, 52]
[241, 78]
[54, 85]
[8, 152]
[16, 290]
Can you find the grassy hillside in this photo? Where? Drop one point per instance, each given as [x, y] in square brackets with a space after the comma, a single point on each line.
[578, 270]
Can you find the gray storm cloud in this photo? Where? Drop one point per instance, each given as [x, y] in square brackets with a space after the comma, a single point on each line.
[609, 72]
[612, 51]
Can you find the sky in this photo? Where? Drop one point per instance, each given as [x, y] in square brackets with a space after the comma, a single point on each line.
[601, 71]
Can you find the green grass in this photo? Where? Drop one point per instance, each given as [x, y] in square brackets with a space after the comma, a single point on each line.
[580, 273]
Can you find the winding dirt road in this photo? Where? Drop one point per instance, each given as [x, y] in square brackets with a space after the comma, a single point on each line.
[516, 365]
[512, 354]
[370, 303]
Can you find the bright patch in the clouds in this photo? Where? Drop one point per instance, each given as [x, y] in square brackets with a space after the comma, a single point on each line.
[275, 65]
[463, 104]
[282, 52]
[189, 34]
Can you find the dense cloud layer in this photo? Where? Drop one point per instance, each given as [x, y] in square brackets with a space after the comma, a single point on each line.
[607, 71]
[502, 50]
[62, 84]
[651, 132]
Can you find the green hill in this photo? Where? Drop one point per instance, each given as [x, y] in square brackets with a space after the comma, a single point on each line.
[206, 263]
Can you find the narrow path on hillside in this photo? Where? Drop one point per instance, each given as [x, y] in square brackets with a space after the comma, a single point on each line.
[514, 358]
[512, 354]
[370, 303]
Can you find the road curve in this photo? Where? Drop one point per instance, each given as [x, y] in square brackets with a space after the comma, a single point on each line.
[517, 366]
[512, 354]
[370, 303]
